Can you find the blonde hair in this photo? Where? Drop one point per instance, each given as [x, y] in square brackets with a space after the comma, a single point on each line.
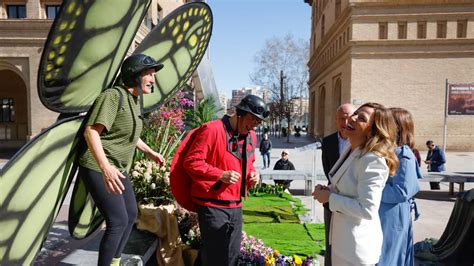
[382, 140]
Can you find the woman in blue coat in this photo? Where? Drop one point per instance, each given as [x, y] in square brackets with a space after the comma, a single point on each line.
[397, 197]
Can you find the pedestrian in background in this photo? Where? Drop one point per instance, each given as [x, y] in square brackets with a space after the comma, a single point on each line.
[332, 147]
[357, 181]
[265, 148]
[397, 197]
[435, 159]
[284, 164]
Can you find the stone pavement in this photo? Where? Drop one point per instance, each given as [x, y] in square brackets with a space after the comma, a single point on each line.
[435, 206]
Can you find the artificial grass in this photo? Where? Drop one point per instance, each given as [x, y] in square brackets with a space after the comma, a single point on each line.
[267, 200]
[289, 239]
[275, 221]
[269, 214]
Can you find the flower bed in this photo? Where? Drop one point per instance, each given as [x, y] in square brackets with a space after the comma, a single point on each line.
[254, 252]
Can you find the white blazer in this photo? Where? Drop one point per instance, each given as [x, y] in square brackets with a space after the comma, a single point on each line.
[357, 184]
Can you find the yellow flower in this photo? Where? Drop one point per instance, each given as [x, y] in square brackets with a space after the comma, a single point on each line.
[269, 260]
[276, 253]
[298, 260]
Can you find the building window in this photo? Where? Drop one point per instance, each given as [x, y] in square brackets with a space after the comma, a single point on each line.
[462, 28]
[441, 29]
[421, 30]
[52, 11]
[402, 30]
[383, 30]
[7, 110]
[338, 8]
[16, 11]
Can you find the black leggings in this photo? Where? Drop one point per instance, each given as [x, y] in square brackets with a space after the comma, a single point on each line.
[119, 211]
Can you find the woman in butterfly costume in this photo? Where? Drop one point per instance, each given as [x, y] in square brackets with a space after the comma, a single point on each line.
[112, 133]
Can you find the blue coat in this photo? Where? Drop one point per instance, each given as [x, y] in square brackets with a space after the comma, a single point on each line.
[438, 159]
[394, 212]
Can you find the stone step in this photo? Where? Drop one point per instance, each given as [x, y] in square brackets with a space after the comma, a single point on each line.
[140, 248]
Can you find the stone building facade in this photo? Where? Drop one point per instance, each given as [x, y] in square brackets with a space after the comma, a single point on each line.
[398, 53]
[24, 26]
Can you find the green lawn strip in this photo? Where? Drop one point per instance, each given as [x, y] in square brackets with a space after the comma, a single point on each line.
[271, 208]
[316, 231]
[266, 208]
[266, 200]
[289, 239]
[269, 214]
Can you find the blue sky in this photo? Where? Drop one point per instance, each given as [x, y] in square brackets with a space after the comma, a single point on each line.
[240, 30]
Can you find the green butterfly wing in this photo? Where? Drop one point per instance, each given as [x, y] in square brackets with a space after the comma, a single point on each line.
[84, 216]
[179, 42]
[33, 185]
[84, 50]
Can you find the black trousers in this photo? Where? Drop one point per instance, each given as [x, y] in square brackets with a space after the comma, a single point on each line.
[327, 227]
[119, 211]
[221, 234]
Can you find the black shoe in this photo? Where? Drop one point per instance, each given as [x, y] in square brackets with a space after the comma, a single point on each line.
[434, 186]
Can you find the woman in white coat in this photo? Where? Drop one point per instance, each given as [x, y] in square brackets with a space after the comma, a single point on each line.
[357, 181]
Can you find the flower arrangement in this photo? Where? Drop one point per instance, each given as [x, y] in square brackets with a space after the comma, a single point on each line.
[151, 183]
[254, 252]
[188, 227]
[263, 188]
[163, 133]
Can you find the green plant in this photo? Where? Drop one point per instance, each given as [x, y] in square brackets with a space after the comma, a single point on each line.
[263, 188]
[206, 111]
[161, 138]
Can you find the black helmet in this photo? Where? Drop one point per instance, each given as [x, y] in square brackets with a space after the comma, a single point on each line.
[254, 105]
[134, 65]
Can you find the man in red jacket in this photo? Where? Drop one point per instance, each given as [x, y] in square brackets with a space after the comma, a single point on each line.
[220, 163]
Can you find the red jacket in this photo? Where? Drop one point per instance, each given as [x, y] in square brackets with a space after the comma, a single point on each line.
[208, 156]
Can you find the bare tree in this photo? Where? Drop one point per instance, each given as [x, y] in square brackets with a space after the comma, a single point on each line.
[281, 66]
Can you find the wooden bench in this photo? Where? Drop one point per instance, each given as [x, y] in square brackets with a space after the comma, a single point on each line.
[451, 177]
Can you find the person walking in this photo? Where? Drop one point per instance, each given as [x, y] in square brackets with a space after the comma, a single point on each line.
[397, 197]
[265, 148]
[220, 162]
[435, 159]
[332, 147]
[112, 133]
[357, 181]
[284, 164]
